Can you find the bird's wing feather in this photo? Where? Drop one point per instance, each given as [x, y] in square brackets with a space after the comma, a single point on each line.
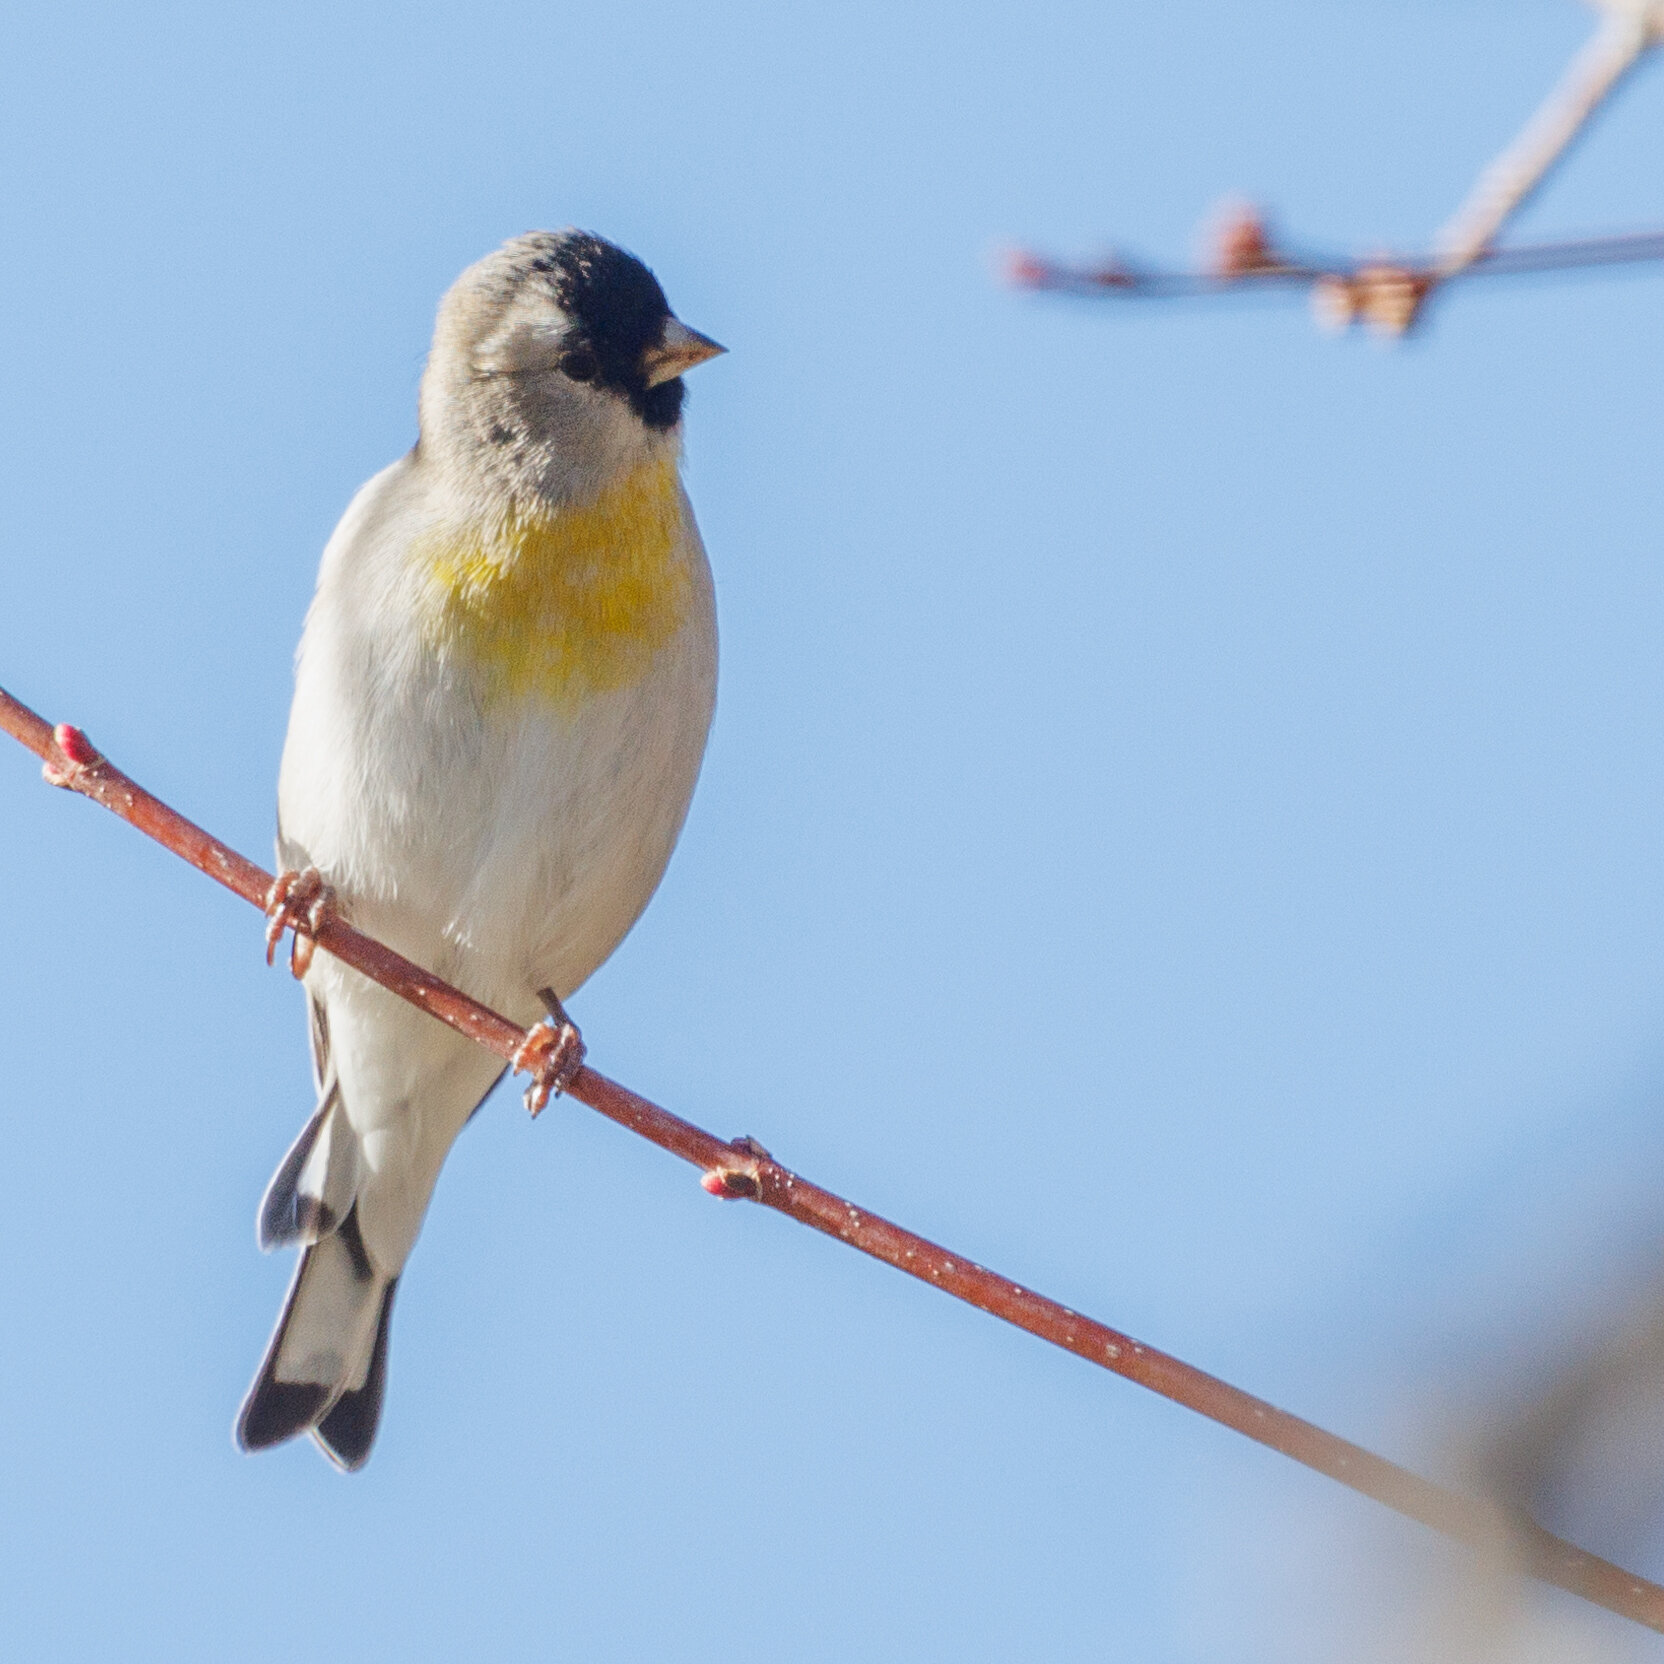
[317, 1183]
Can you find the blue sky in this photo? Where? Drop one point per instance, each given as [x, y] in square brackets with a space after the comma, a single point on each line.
[1182, 826]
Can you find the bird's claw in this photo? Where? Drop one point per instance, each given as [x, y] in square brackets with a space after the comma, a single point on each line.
[552, 1053]
[301, 900]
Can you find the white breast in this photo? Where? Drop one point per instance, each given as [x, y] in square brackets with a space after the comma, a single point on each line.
[505, 843]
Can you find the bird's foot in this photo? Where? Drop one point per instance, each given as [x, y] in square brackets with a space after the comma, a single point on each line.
[552, 1053]
[302, 900]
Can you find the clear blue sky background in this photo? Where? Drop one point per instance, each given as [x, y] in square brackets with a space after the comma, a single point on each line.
[1183, 823]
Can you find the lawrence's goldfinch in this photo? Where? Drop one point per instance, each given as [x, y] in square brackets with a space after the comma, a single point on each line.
[501, 702]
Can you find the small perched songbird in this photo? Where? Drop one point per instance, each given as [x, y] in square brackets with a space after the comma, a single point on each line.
[501, 702]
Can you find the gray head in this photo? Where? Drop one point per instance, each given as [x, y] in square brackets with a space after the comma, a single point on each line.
[556, 364]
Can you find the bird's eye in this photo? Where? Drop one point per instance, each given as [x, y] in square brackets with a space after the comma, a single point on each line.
[580, 365]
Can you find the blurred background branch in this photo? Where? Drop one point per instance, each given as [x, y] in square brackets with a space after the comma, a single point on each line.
[1389, 293]
[1631, 28]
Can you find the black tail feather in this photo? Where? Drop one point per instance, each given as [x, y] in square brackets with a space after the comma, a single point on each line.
[347, 1432]
[278, 1409]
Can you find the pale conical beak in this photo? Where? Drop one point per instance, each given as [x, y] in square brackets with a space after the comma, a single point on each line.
[680, 349]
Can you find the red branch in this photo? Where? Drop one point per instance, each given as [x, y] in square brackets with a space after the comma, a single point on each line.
[744, 1169]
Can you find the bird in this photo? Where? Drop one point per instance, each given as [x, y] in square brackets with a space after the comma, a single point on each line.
[503, 692]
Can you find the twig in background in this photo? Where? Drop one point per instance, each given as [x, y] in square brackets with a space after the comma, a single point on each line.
[743, 1169]
[1631, 28]
[1389, 293]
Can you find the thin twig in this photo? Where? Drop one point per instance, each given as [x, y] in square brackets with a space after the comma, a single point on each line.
[743, 1169]
[1118, 277]
[1506, 185]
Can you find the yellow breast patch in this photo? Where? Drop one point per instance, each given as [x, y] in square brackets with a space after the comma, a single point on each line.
[565, 602]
